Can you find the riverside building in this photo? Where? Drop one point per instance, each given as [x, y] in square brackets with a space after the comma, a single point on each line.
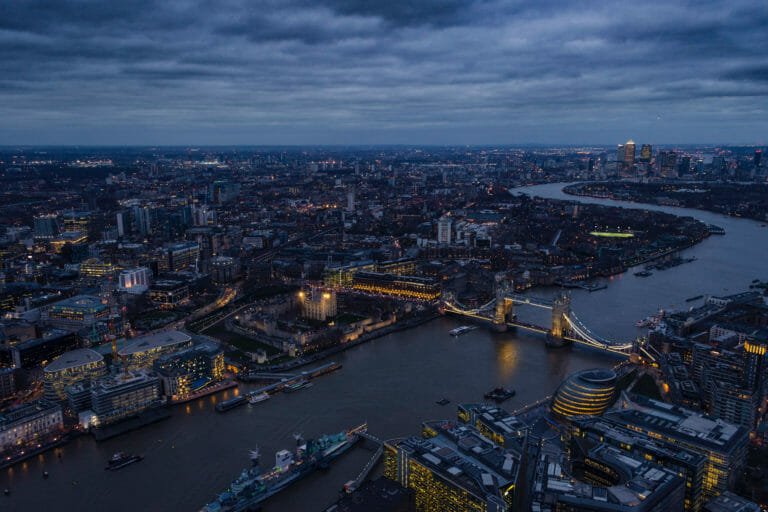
[70, 368]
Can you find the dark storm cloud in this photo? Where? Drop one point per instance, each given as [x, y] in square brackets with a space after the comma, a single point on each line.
[338, 71]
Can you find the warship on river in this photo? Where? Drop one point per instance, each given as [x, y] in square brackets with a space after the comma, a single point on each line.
[252, 488]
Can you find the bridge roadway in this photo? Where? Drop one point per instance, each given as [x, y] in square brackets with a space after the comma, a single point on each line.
[580, 333]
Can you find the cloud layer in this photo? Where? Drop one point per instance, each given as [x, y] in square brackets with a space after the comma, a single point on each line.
[368, 71]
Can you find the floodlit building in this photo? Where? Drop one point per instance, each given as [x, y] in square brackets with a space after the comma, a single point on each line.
[407, 287]
[318, 304]
[134, 280]
[588, 392]
[29, 423]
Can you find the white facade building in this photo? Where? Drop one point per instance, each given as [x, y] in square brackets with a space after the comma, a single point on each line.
[134, 280]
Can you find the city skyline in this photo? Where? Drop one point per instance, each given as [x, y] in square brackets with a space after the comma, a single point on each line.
[342, 72]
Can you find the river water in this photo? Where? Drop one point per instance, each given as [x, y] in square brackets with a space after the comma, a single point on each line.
[392, 383]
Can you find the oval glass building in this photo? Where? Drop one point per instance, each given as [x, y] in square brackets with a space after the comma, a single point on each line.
[588, 392]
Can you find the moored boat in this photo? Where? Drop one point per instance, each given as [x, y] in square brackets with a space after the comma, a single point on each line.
[297, 385]
[461, 330]
[251, 487]
[254, 398]
[121, 459]
[499, 394]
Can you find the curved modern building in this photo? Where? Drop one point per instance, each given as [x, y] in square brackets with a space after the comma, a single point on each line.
[70, 368]
[588, 392]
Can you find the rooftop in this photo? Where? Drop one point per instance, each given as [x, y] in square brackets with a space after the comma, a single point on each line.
[80, 302]
[729, 502]
[157, 340]
[73, 359]
[684, 424]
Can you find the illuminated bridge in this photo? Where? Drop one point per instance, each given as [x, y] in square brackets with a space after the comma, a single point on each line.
[565, 326]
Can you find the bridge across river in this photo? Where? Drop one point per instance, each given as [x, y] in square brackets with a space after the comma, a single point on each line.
[565, 326]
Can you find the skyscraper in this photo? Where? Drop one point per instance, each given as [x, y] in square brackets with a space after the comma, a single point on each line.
[667, 164]
[646, 152]
[444, 230]
[629, 154]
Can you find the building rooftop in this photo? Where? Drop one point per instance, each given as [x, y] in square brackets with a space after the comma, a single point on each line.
[463, 455]
[678, 422]
[729, 502]
[380, 495]
[18, 412]
[73, 359]
[88, 302]
[157, 340]
[121, 380]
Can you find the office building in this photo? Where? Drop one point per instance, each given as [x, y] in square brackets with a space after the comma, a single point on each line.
[380, 495]
[70, 368]
[494, 423]
[39, 351]
[444, 225]
[646, 153]
[724, 444]
[223, 269]
[77, 312]
[755, 365]
[143, 220]
[76, 222]
[629, 154]
[406, 287]
[588, 392]
[141, 353]
[453, 468]
[351, 200]
[30, 423]
[183, 256]
[609, 480]
[123, 395]
[168, 293]
[7, 382]
[45, 227]
[730, 502]
[189, 370]
[134, 280]
[666, 162]
[96, 268]
[221, 192]
[734, 404]
[587, 432]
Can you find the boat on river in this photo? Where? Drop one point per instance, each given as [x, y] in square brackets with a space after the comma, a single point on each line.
[253, 487]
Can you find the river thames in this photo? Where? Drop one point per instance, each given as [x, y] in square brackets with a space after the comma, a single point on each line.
[392, 383]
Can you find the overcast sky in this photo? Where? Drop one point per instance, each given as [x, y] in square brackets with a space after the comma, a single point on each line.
[382, 71]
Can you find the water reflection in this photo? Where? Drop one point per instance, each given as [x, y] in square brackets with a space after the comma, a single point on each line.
[506, 359]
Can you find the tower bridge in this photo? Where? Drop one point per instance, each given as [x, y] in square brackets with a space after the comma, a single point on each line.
[565, 326]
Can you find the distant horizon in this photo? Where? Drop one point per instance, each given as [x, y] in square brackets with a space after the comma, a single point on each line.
[384, 145]
[356, 72]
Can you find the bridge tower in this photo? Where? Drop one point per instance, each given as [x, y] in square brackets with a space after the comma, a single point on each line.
[561, 307]
[504, 306]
